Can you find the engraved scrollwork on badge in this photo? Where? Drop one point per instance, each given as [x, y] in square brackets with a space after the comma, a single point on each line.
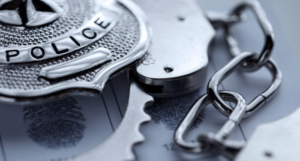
[78, 45]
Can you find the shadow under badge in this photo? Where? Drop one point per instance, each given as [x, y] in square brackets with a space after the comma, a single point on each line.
[58, 124]
[171, 111]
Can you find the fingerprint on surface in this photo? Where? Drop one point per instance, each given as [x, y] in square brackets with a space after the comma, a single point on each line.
[58, 124]
[170, 111]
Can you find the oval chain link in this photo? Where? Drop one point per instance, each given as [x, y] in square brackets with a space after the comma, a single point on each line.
[253, 63]
[217, 101]
[248, 61]
[193, 113]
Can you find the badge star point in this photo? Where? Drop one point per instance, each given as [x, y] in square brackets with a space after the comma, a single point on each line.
[34, 17]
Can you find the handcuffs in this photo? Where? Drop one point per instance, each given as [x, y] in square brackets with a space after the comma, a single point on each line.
[56, 48]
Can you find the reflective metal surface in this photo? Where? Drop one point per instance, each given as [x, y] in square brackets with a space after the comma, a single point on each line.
[178, 58]
[275, 141]
[80, 38]
[250, 61]
[88, 61]
[31, 12]
[262, 58]
[197, 147]
[214, 143]
[220, 19]
[217, 143]
[256, 103]
[118, 147]
[26, 53]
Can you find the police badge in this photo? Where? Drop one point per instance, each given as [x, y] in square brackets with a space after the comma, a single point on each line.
[50, 48]
[53, 47]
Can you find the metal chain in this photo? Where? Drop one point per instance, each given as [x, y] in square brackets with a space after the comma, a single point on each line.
[247, 61]
[255, 63]
[257, 102]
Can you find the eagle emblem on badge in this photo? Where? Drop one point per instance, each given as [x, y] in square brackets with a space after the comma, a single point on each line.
[52, 47]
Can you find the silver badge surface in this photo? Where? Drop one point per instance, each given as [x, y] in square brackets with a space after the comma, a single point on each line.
[50, 47]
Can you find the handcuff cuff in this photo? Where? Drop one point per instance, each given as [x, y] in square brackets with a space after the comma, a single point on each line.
[45, 57]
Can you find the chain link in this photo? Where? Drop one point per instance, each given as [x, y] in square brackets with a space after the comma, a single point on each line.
[192, 114]
[217, 101]
[248, 61]
[254, 63]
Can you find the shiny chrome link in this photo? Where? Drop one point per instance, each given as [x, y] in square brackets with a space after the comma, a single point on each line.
[250, 61]
[256, 103]
[233, 44]
[254, 63]
[217, 143]
[235, 117]
[221, 19]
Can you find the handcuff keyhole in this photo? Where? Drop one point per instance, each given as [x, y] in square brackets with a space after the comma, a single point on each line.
[180, 18]
[268, 154]
[168, 69]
